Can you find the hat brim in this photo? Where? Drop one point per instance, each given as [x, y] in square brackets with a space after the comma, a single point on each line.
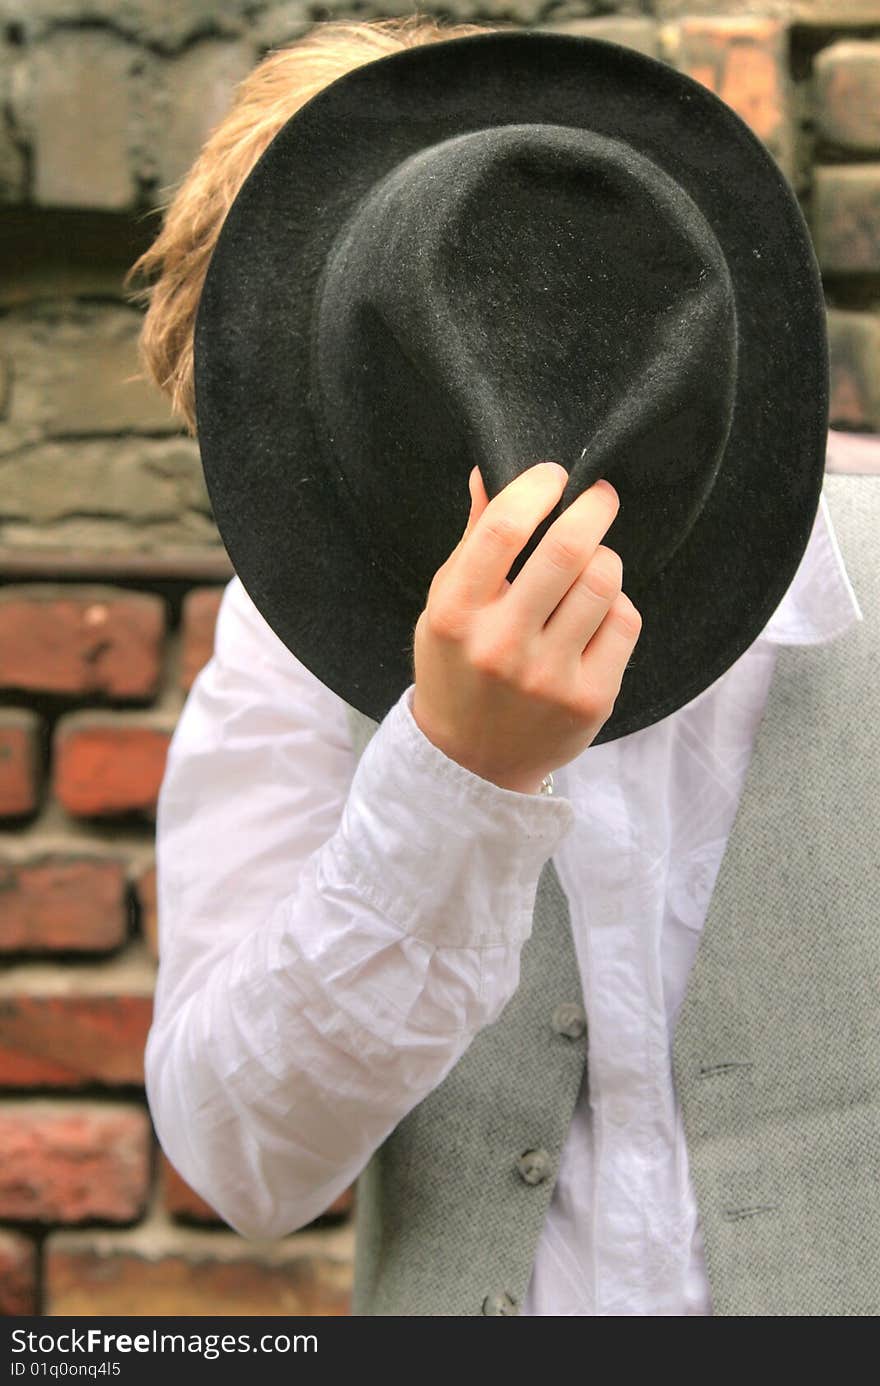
[319, 589]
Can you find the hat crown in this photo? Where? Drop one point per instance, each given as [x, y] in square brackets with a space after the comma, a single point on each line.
[518, 293]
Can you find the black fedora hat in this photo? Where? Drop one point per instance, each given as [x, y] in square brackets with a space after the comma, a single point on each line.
[501, 249]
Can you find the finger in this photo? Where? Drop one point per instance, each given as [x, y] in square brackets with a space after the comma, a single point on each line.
[585, 605]
[504, 526]
[607, 654]
[479, 500]
[559, 560]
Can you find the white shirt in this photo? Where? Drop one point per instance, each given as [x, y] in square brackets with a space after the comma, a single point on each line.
[332, 940]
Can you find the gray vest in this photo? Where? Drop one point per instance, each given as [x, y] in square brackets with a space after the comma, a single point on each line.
[776, 1050]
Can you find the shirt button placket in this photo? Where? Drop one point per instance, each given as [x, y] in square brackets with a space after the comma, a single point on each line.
[535, 1166]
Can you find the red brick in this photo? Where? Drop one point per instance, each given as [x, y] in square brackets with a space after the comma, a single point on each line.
[80, 640]
[846, 218]
[108, 764]
[200, 609]
[72, 1041]
[183, 1202]
[743, 60]
[19, 761]
[73, 1163]
[18, 1275]
[854, 339]
[847, 78]
[193, 1273]
[145, 889]
[53, 902]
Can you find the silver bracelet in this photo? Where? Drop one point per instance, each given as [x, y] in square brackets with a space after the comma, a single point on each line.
[547, 784]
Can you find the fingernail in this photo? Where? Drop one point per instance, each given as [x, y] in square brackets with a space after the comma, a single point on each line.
[608, 487]
[558, 468]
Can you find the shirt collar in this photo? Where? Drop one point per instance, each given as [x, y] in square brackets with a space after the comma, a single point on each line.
[820, 603]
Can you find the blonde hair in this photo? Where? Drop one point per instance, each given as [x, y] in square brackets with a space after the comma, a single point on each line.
[193, 211]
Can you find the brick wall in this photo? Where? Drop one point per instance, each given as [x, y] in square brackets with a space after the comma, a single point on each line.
[111, 573]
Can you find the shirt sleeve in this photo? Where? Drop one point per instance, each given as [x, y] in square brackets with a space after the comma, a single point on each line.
[331, 935]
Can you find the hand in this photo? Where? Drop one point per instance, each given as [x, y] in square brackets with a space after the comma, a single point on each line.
[515, 679]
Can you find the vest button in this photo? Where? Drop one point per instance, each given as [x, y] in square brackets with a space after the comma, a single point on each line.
[500, 1303]
[569, 1019]
[533, 1166]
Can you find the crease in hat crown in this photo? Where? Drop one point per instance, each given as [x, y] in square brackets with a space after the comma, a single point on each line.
[423, 264]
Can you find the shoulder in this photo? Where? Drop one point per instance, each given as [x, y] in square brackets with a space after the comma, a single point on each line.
[242, 631]
[253, 666]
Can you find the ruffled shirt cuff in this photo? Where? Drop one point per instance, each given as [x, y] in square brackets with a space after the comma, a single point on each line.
[447, 856]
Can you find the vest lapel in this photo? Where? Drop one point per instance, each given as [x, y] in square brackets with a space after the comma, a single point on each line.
[776, 1052]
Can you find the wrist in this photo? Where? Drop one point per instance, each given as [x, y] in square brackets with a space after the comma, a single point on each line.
[517, 781]
[519, 784]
